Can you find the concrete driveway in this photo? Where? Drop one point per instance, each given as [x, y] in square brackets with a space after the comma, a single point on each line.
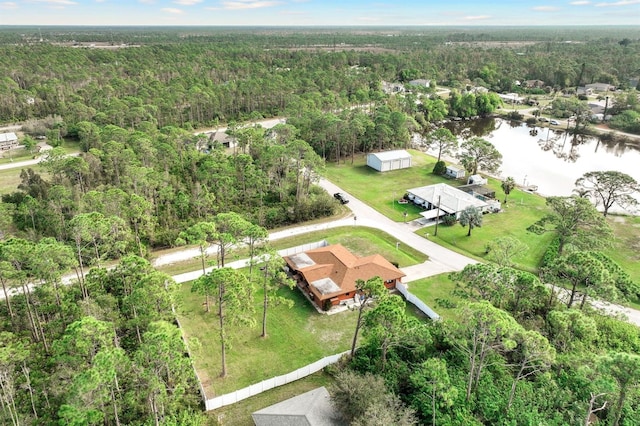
[440, 259]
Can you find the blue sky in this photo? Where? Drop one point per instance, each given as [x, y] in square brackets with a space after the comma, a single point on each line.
[319, 12]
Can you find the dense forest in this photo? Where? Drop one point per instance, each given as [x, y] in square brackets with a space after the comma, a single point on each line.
[518, 358]
[106, 349]
[200, 79]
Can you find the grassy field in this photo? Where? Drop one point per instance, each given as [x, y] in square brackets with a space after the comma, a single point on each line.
[433, 291]
[626, 249]
[383, 190]
[297, 337]
[362, 241]
[15, 155]
[522, 210]
[10, 178]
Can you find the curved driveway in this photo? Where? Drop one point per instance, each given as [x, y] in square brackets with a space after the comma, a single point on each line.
[440, 259]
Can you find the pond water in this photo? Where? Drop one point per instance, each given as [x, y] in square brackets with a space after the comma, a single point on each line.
[552, 160]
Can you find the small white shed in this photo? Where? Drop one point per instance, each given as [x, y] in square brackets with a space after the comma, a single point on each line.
[476, 180]
[389, 160]
[454, 172]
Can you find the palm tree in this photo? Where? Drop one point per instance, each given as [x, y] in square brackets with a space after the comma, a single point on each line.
[507, 186]
[471, 216]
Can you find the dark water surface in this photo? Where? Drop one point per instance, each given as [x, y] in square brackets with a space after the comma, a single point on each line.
[549, 159]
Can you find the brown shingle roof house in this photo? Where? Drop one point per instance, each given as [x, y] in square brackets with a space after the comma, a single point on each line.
[328, 274]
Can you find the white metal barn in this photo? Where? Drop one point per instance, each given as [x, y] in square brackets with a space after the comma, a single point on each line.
[389, 160]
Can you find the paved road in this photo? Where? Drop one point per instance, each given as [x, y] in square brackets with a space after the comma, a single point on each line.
[440, 259]
[20, 164]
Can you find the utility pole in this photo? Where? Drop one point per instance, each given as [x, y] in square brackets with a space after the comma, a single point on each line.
[435, 234]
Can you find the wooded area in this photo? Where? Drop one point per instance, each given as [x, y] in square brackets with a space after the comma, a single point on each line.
[106, 349]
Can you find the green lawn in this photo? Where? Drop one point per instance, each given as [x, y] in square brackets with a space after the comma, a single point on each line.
[22, 154]
[522, 210]
[362, 241]
[10, 178]
[626, 247]
[379, 189]
[383, 190]
[15, 155]
[297, 337]
[436, 292]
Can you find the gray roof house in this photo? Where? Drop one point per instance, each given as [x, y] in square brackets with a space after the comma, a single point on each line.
[221, 137]
[313, 408]
[420, 82]
[8, 140]
[450, 200]
[600, 87]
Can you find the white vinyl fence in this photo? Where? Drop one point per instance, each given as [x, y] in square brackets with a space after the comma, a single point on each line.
[304, 247]
[402, 288]
[265, 385]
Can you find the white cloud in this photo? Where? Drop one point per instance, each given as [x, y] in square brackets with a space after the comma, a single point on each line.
[172, 10]
[147, 1]
[249, 4]
[476, 17]
[618, 3]
[57, 2]
[8, 5]
[187, 2]
[545, 8]
[292, 12]
[580, 3]
[367, 19]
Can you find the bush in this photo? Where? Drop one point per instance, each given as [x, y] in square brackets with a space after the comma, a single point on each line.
[449, 220]
[326, 305]
[515, 115]
[440, 168]
[552, 252]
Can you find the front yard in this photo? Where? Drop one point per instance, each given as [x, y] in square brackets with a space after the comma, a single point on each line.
[296, 336]
[375, 188]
